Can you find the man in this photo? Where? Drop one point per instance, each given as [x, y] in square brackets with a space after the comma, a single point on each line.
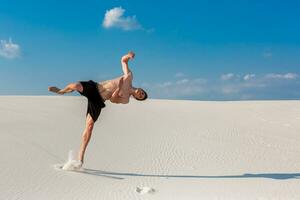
[117, 90]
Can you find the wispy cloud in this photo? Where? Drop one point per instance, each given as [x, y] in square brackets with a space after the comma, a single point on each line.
[230, 86]
[238, 88]
[282, 76]
[247, 77]
[115, 18]
[9, 50]
[176, 88]
[226, 77]
[182, 81]
[253, 86]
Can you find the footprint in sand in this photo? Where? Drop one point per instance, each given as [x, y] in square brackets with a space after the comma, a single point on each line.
[145, 190]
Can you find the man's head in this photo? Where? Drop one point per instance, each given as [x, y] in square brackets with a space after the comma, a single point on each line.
[131, 54]
[140, 94]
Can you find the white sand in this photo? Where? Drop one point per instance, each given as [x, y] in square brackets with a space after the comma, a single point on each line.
[158, 149]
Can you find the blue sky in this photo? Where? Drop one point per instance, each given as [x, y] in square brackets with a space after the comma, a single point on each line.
[201, 50]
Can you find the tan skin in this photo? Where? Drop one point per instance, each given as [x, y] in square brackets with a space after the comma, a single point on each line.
[116, 97]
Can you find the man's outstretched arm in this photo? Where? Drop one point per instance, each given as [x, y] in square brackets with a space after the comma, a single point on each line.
[124, 62]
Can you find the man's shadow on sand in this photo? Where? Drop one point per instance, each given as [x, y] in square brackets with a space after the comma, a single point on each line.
[116, 175]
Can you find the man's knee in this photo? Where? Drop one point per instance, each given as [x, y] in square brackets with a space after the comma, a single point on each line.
[79, 87]
[76, 86]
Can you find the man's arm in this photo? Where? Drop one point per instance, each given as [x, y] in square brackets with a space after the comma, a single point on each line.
[124, 62]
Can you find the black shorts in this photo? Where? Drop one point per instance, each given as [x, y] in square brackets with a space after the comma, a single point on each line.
[95, 101]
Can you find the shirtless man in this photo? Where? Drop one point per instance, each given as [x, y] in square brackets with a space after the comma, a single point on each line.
[117, 90]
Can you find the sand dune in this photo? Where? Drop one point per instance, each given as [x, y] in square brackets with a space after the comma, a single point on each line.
[158, 149]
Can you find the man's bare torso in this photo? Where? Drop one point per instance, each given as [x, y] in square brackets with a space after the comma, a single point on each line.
[107, 88]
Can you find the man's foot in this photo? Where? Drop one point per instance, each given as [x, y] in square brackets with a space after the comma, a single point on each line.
[55, 90]
[72, 165]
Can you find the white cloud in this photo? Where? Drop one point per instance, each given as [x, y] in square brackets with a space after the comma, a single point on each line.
[114, 18]
[175, 89]
[226, 77]
[239, 87]
[253, 83]
[282, 76]
[247, 77]
[8, 49]
[165, 84]
[246, 86]
[182, 81]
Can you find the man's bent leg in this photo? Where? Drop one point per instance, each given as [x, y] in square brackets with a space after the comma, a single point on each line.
[69, 88]
[86, 135]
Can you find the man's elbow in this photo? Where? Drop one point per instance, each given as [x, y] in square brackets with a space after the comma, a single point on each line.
[125, 101]
[114, 100]
[124, 59]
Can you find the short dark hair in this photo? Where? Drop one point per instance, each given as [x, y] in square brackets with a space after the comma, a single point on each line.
[145, 97]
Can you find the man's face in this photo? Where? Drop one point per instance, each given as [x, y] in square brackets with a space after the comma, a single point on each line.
[139, 94]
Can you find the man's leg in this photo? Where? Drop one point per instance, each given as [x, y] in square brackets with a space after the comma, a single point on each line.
[69, 88]
[86, 136]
